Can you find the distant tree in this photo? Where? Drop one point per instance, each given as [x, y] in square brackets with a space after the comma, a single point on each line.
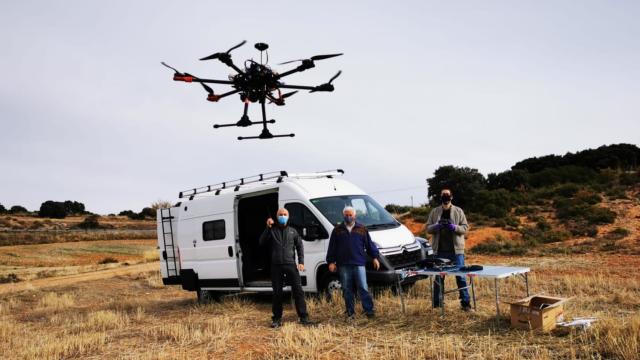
[464, 182]
[131, 215]
[74, 207]
[2, 209]
[148, 213]
[17, 209]
[53, 209]
[161, 204]
[510, 180]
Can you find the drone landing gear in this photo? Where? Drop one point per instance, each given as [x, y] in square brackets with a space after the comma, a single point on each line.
[266, 134]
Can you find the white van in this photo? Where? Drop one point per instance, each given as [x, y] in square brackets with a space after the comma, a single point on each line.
[209, 243]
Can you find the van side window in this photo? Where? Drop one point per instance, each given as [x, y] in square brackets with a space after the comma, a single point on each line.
[213, 230]
[303, 220]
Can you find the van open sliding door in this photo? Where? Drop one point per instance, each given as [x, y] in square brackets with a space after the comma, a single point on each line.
[252, 212]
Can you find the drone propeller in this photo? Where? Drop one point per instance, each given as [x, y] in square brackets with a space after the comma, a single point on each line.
[288, 94]
[335, 76]
[178, 76]
[328, 86]
[224, 54]
[170, 67]
[280, 100]
[313, 58]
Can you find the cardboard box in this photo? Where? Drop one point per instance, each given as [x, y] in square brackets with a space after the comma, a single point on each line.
[537, 312]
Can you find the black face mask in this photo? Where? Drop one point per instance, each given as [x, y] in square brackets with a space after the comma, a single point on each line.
[445, 199]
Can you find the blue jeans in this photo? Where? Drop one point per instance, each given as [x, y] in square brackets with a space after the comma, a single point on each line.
[461, 281]
[351, 275]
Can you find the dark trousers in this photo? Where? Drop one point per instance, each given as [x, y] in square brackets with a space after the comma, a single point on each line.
[458, 260]
[278, 271]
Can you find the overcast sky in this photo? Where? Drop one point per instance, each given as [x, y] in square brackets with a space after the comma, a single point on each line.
[89, 114]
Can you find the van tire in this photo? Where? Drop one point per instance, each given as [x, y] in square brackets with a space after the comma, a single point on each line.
[208, 296]
[330, 284]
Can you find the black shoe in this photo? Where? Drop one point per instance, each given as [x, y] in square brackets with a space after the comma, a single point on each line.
[276, 323]
[466, 307]
[305, 321]
[371, 315]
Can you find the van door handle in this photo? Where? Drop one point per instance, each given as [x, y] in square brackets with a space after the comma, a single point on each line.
[230, 251]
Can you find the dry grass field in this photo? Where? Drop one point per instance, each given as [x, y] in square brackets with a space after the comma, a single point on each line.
[135, 317]
[104, 299]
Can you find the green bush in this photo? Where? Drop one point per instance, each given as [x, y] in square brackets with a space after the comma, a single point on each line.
[17, 209]
[3, 210]
[397, 209]
[618, 233]
[542, 233]
[90, 222]
[598, 215]
[567, 190]
[582, 228]
[492, 203]
[499, 245]
[420, 214]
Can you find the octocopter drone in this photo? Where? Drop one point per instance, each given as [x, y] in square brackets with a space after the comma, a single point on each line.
[257, 82]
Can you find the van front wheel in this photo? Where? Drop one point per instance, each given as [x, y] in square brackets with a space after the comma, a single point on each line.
[331, 285]
[207, 296]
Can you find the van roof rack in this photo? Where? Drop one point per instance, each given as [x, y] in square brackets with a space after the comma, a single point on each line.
[235, 184]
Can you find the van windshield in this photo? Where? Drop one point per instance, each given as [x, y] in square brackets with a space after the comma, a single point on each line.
[368, 212]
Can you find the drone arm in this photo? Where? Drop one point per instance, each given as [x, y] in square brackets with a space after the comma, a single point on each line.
[297, 87]
[212, 81]
[228, 93]
[300, 68]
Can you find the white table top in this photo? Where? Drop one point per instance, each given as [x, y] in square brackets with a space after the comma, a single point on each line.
[488, 271]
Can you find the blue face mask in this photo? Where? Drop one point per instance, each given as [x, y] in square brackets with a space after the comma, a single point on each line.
[282, 219]
[349, 219]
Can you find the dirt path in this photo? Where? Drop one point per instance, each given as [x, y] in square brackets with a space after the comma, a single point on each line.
[72, 279]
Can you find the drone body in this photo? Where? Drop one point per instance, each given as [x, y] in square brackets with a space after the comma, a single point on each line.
[257, 82]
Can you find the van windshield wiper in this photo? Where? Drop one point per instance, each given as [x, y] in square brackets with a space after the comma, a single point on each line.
[382, 226]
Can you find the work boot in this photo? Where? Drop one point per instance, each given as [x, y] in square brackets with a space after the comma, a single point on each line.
[276, 323]
[305, 321]
[371, 315]
[466, 307]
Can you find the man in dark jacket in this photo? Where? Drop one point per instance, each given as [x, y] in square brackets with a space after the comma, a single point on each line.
[348, 248]
[285, 242]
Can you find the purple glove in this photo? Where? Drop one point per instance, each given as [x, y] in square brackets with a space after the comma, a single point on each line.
[451, 227]
[436, 227]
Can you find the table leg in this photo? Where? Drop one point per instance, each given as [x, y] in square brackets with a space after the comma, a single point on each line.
[497, 297]
[431, 290]
[399, 289]
[526, 282]
[442, 294]
[473, 292]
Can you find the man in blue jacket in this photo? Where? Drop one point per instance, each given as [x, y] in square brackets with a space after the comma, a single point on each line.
[348, 248]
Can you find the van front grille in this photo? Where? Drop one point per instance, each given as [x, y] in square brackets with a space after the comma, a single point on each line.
[405, 258]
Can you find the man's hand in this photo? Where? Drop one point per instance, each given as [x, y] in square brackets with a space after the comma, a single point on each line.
[332, 267]
[376, 264]
[269, 222]
[300, 267]
[451, 227]
[436, 227]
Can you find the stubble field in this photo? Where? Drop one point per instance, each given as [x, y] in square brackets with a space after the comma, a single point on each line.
[131, 315]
